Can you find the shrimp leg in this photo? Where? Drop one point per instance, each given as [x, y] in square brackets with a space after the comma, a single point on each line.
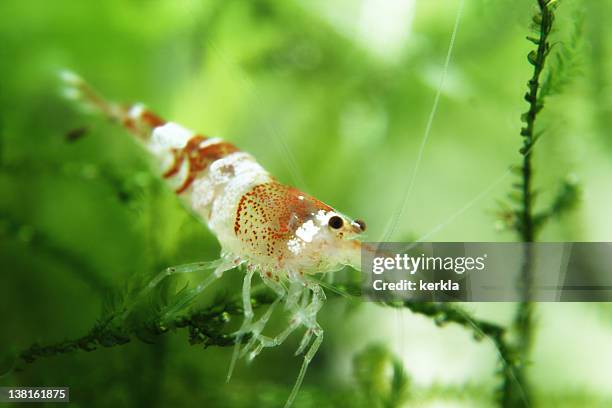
[313, 329]
[257, 328]
[173, 270]
[220, 266]
[248, 317]
[304, 313]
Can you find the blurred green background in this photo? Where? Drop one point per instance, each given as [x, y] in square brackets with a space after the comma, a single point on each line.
[332, 97]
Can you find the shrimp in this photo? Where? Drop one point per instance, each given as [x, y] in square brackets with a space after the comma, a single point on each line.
[274, 230]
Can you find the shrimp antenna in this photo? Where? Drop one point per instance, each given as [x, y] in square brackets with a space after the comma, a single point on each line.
[397, 214]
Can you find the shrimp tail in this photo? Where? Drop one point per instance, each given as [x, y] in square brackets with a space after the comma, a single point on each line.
[136, 118]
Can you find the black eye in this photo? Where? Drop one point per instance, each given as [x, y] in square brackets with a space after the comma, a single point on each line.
[335, 222]
[362, 225]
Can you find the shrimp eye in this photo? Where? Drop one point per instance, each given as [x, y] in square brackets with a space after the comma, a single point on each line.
[362, 225]
[335, 222]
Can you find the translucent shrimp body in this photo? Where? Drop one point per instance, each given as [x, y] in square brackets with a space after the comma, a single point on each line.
[275, 230]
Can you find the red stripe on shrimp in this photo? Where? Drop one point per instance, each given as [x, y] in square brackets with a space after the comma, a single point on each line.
[151, 119]
[140, 121]
[200, 156]
[178, 159]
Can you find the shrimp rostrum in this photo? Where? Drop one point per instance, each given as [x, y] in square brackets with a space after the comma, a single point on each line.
[272, 229]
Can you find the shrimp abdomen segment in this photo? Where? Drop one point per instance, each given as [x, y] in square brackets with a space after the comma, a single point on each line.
[197, 154]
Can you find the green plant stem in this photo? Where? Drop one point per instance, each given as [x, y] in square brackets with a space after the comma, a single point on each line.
[443, 313]
[526, 226]
[205, 327]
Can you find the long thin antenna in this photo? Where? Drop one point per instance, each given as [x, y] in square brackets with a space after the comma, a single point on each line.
[397, 215]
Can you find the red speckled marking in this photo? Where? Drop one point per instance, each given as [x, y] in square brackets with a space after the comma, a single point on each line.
[269, 214]
[199, 158]
[151, 119]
